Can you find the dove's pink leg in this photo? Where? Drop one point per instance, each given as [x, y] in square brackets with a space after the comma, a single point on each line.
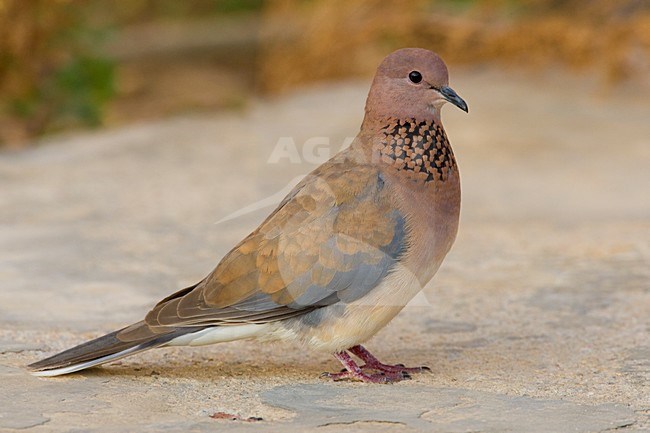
[353, 372]
[373, 363]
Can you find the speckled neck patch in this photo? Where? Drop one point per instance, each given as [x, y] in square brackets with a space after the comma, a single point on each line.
[420, 147]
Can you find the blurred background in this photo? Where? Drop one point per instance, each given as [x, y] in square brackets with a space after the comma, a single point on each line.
[72, 64]
[141, 139]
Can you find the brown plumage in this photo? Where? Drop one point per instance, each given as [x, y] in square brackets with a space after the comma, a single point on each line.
[344, 251]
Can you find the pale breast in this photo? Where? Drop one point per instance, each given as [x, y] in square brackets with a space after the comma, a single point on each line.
[432, 212]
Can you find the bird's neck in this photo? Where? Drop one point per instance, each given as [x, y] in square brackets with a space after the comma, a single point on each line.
[418, 147]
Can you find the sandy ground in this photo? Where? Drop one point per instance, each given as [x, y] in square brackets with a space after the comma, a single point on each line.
[538, 321]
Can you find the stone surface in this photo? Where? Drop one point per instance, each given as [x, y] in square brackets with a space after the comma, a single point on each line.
[442, 409]
[538, 320]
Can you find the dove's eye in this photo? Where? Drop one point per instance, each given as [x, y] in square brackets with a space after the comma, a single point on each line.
[415, 77]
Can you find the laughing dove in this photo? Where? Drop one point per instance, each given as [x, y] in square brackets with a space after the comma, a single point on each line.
[341, 255]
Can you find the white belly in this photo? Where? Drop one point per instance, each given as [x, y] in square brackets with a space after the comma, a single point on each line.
[220, 334]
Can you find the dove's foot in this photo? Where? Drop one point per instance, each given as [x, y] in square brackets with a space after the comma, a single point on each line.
[372, 363]
[353, 372]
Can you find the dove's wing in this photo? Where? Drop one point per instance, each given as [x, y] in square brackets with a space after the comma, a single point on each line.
[333, 238]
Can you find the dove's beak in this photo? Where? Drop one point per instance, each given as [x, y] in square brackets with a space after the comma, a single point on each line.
[450, 95]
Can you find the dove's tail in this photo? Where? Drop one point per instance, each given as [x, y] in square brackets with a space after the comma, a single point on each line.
[104, 349]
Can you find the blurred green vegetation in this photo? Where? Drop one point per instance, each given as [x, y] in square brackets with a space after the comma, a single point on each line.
[55, 73]
[85, 63]
[51, 74]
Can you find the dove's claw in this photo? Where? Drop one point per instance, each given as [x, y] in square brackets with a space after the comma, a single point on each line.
[385, 373]
[372, 363]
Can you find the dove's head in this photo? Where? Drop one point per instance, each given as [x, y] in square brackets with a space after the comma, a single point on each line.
[411, 83]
